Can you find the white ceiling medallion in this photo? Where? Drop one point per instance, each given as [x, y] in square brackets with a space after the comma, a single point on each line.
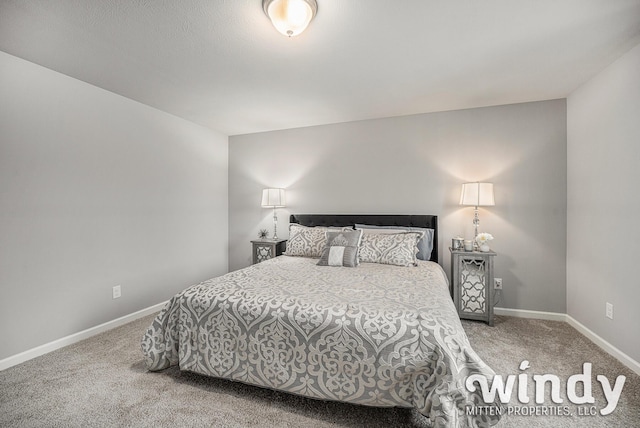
[290, 17]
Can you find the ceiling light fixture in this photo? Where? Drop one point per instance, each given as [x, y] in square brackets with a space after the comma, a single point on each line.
[290, 17]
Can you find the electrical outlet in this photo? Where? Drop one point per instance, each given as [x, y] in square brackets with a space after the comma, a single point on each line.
[497, 283]
[117, 292]
[609, 310]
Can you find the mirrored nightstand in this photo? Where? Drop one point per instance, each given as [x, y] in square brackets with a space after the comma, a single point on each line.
[265, 249]
[472, 282]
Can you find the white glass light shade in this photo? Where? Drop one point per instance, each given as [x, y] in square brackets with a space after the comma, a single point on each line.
[273, 198]
[477, 194]
[290, 17]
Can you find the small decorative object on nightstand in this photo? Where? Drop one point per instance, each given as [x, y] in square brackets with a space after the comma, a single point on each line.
[265, 249]
[483, 241]
[472, 282]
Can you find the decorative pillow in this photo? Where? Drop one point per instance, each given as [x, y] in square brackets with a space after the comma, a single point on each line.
[341, 249]
[425, 245]
[307, 241]
[398, 249]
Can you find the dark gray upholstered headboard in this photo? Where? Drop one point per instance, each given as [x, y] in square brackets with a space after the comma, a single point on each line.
[428, 221]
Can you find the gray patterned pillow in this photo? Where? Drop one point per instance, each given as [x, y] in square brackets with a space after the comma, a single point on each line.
[341, 249]
[425, 245]
[307, 241]
[398, 249]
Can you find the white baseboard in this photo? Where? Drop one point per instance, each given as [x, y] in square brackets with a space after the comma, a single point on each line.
[76, 337]
[615, 352]
[524, 313]
[555, 316]
[519, 313]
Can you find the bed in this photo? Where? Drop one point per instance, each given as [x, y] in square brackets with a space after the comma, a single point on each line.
[375, 334]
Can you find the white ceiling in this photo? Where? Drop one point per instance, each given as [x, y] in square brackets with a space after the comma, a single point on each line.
[221, 64]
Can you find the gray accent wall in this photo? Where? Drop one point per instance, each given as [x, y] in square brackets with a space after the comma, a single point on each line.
[97, 190]
[416, 165]
[603, 230]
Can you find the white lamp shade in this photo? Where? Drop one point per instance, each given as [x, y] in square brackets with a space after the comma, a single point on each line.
[273, 198]
[477, 194]
[290, 17]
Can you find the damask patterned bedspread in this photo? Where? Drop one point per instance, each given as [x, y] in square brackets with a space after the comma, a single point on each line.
[375, 335]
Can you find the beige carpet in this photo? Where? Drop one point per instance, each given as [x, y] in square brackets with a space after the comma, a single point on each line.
[101, 382]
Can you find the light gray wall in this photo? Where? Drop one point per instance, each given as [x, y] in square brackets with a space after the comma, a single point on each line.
[603, 203]
[415, 165]
[97, 190]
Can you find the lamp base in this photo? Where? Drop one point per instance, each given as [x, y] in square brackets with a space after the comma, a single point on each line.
[476, 224]
[275, 224]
